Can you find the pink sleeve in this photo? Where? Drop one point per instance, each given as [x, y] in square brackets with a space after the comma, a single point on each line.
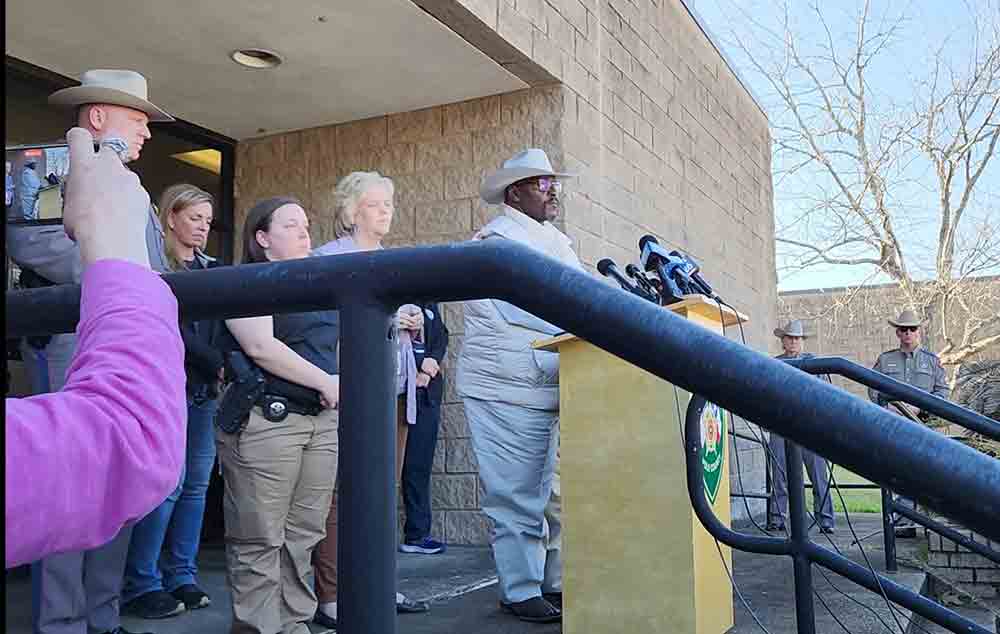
[108, 448]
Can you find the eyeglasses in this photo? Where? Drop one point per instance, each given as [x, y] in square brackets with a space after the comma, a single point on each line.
[906, 329]
[546, 183]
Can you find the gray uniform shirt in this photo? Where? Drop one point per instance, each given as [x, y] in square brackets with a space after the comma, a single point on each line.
[919, 368]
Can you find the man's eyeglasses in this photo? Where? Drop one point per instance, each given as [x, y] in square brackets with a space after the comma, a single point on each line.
[906, 329]
[547, 183]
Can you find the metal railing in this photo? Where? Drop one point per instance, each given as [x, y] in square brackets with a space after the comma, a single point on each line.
[943, 408]
[367, 287]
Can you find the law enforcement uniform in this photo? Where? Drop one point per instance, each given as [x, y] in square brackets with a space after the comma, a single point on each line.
[816, 466]
[80, 592]
[919, 368]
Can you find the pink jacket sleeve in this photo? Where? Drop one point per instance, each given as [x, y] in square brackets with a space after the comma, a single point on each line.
[108, 448]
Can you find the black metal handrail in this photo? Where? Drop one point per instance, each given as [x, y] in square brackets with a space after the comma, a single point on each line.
[367, 287]
[798, 545]
[947, 410]
[973, 421]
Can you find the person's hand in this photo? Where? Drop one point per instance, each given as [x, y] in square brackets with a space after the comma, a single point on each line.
[105, 206]
[423, 380]
[430, 367]
[410, 317]
[329, 392]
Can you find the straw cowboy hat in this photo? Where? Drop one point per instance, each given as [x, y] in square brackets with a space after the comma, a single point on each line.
[906, 318]
[792, 328]
[116, 87]
[527, 164]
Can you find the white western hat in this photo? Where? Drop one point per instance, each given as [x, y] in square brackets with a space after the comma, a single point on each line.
[116, 87]
[792, 328]
[527, 164]
[906, 318]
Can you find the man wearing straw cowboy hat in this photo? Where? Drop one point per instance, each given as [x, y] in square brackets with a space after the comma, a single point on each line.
[916, 366]
[511, 397]
[80, 592]
[792, 335]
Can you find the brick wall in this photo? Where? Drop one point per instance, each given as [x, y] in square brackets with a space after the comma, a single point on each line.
[633, 98]
[973, 573]
[851, 323]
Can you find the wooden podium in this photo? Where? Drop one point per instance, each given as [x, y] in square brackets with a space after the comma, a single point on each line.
[635, 558]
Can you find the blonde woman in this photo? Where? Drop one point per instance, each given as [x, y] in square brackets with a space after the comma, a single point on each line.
[155, 586]
[363, 212]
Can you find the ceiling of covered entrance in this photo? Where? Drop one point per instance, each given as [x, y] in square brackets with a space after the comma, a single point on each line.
[343, 59]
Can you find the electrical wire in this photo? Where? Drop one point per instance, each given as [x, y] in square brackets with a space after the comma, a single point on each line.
[833, 483]
[732, 581]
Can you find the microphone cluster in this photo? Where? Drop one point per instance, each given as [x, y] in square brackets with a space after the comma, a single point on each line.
[664, 277]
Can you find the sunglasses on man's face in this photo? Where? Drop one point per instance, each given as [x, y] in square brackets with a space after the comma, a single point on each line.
[906, 329]
[547, 183]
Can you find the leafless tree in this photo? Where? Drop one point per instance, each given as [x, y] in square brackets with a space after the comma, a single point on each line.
[889, 173]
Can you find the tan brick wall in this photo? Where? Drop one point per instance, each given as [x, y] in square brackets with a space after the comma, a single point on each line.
[851, 323]
[664, 138]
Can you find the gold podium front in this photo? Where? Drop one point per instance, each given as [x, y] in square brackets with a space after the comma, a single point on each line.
[635, 558]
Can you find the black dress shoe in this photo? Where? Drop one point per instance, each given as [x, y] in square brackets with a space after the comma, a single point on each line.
[828, 530]
[122, 630]
[555, 598]
[409, 606]
[323, 619]
[533, 610]
[777, 527]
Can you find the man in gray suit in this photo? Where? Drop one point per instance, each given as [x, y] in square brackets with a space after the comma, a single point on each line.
[78, 593]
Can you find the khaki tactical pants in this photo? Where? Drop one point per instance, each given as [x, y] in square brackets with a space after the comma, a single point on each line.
[279, 478]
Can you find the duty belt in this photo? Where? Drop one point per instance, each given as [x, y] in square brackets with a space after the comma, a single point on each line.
[277, 408]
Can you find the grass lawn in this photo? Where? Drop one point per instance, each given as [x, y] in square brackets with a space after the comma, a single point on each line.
[858, 501]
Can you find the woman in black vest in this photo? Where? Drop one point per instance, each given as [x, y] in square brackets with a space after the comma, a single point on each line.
[280, 470]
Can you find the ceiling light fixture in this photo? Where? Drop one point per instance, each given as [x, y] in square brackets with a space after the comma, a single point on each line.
[256, 58]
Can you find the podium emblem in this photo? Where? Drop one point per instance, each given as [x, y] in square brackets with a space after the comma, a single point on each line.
[713, 448]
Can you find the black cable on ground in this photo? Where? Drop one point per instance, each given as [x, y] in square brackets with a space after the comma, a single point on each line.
[732, 581]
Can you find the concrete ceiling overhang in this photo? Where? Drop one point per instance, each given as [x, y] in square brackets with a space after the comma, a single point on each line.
[344, 60]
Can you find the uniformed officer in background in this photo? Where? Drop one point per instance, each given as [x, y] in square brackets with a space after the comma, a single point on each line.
[792, 335]
[916, 366]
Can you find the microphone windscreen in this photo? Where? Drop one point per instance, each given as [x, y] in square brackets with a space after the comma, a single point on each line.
[647, 239]
[604, 266]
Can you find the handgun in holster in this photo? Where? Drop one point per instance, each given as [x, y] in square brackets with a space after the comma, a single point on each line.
[245, 384]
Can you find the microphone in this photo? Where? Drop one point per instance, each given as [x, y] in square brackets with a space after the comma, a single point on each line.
[655, 258]
[691, 269]
[608, 268]
[635, 273]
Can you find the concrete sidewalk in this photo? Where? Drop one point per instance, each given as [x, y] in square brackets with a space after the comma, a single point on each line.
[461, 585]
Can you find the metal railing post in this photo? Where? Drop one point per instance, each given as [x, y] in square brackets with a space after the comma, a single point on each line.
[888, 531]
[366, 543]
[805, 613]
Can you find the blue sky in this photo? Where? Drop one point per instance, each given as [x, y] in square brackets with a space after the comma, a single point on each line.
[927, 24]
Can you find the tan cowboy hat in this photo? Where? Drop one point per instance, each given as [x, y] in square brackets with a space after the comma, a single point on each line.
[792, 328]
[116, 87]
[527, 164]
[906, 318]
